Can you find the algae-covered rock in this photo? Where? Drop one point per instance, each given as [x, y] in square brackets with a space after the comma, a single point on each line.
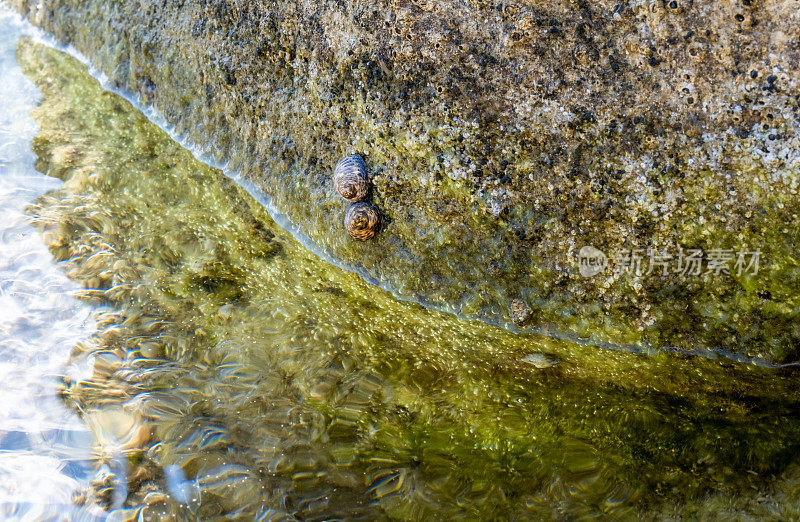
[239, 376]
[503, 137]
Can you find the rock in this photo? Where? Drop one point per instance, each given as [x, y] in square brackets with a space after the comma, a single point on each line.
[541, 360]
[504, 137]
[520, 312]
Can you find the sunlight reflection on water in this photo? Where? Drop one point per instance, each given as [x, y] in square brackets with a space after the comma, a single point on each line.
[44, 448]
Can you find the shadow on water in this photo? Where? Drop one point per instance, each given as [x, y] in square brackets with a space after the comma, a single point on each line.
[242, 376]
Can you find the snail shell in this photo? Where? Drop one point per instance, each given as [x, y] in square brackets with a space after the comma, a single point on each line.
[350, 178]
[362, 221]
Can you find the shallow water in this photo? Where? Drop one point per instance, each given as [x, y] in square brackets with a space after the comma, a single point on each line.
[224, 370]
[44, 447]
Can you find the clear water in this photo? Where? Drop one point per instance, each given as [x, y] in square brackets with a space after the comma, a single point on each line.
[171, 352]
[45, 449]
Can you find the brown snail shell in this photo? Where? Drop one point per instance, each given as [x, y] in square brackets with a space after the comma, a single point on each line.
[350, 178]
[362, 221]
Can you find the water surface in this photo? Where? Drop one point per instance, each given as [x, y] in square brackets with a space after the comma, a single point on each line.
[45, 449]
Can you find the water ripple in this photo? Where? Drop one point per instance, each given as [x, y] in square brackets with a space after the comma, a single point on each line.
[44, 448]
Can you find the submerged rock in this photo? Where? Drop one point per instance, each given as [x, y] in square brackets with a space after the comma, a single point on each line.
[540, 360]
[505, 137]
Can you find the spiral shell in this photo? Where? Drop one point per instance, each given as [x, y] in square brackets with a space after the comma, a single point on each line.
[350, 178]
[362, 221]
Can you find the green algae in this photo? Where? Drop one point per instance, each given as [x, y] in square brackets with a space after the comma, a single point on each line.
[287, 387]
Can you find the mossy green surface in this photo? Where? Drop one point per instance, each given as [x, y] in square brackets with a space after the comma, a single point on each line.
[503, 137]
[287, 387]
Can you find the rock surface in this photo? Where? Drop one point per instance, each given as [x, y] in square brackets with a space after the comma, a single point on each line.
[503, 137]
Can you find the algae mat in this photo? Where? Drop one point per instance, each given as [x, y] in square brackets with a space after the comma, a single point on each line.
[241, 376]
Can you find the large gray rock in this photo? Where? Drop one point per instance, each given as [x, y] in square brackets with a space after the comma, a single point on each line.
[504, 137]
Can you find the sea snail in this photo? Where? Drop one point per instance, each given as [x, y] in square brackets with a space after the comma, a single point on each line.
[350, 178]
[362, 221]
